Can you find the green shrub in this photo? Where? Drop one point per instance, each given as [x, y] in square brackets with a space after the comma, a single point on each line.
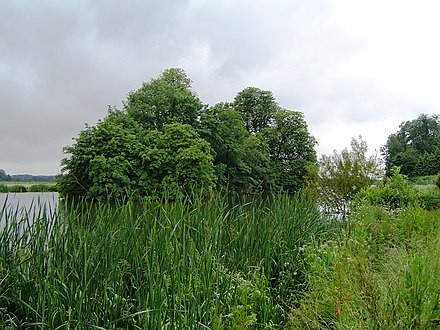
[38, 188]
[437, 180]
[53, 188]
[381, 276]
[17, 189]
[395, 192]
[3, 188]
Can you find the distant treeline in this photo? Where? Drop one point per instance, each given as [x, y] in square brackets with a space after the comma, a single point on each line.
[26, 177]
[21, 188]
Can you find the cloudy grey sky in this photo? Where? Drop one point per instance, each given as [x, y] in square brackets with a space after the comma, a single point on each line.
[352, 67]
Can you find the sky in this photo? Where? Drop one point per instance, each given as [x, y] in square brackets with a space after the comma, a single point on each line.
[352, 67]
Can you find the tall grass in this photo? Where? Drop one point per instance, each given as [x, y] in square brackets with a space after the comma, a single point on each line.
[199, 263]
[384, 275]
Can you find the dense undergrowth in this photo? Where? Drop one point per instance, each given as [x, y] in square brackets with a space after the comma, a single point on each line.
[265, 263]
[150, 265]
[384, 274]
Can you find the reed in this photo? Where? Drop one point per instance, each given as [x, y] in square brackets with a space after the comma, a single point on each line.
[194, 263]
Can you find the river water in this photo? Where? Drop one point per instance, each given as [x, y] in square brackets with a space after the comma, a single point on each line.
[16, 206]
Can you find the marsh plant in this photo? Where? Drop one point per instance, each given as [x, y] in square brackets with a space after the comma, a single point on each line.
[194, 263]
[384, 275]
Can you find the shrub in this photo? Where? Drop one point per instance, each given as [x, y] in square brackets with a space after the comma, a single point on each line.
[17, 189]
[437, 180]
[394, 192]
[38, 188]
[3, 188]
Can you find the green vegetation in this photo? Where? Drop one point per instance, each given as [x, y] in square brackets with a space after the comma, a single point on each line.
[14, 186]
[178, 215]
[343, 175]
[384, 275]
[165, 141]
[415, 148]
[191, 264]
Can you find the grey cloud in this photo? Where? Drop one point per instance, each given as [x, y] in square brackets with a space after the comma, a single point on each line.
[63, 62]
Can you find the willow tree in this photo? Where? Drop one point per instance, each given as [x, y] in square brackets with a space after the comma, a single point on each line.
[342, 175]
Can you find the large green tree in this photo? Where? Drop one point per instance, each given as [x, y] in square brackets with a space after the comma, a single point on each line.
[165, 141]
[176, 161]
[4, 176]
[415, 147]
[291, 148]
[104, 160]
[257, 108]
[164, 100]
[241, 159]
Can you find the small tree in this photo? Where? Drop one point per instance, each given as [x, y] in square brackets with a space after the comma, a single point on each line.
[342, 175]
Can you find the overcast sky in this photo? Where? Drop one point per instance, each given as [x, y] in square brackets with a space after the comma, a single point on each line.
[352, 67]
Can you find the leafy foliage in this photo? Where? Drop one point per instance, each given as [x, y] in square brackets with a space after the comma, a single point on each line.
[415, 148]
[166, 141]
[394, 192]
[165, 100]
[4, 176]
[105, 159]
[257, 107]
[342, 175]
[291, 149]
[176, 161]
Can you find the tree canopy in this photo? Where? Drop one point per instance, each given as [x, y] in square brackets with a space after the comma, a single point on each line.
[165, 141]
[342, 175]
[415, 147]
[165, 100]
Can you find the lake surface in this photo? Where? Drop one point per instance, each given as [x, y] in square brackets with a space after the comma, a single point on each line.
[16, 206]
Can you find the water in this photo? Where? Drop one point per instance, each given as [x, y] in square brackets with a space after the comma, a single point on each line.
[29, 206]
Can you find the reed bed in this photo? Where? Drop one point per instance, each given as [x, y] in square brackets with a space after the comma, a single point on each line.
[198, 263]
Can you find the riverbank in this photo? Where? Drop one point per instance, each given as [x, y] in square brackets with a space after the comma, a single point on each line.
[28, 186]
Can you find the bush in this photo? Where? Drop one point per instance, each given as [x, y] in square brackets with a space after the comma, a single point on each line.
[395, 192]
[437, 180]
[3, 188]
[17, 189]
[38, 188]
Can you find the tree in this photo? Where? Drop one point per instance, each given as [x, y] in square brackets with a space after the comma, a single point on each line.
[291, 149]
[165, 100]
[4, 176]
[104, 160]
[222, 126]
[166, 142]
[342, 175]
[415, 147]
[176, 161]
[257, 107]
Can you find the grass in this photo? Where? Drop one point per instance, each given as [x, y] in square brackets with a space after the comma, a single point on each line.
[193, 264]
[219, 264]
[385, 275]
